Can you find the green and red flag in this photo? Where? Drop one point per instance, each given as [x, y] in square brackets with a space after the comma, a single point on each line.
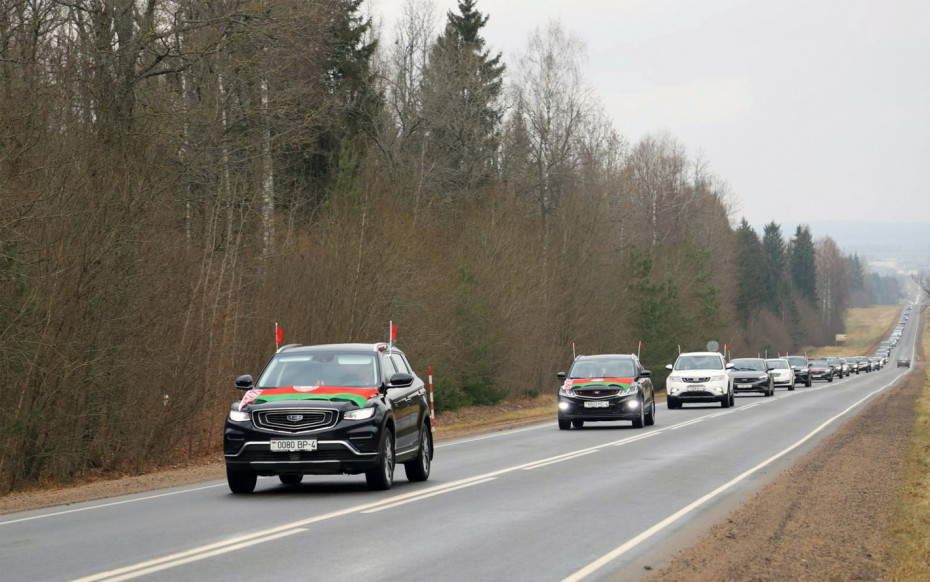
[278, 335]
[393, 334]
[359, 396]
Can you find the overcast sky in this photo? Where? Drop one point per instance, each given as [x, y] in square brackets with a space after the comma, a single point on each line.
[809, 109]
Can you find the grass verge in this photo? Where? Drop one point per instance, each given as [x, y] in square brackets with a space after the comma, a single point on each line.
[866, 327]
[912, 520]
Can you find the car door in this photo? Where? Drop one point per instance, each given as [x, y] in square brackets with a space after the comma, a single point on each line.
[402, 402]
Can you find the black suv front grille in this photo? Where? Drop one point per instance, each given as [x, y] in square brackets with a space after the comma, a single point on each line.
[601, 392]
[294, 421]
[696, 380]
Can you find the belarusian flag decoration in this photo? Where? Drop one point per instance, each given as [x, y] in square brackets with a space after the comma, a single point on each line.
[278, 335]
[393, 334]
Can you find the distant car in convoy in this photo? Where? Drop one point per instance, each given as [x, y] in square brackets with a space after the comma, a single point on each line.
[607, 387]
[752, 375]
[781, 371]
[801, 368]
[853, 364]
[840, 367]
[699, 377]
[821, 370]
[904, 362]
[876, 363]
[329, 410]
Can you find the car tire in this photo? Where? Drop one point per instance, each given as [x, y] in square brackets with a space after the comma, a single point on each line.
[672, 402]
[791, 388]
[290, 479]
[830, 379]
[641, 421]
[241, 481]
[577, 423]
[808, 382]
[418, 469]
[564, 424]
[732, 398]
[381, 478]
[651, 417]
[725, 401]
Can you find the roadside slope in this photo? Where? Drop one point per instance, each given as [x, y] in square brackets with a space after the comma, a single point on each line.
[829, 517]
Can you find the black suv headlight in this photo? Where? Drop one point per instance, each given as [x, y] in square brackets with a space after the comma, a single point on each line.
[238, 416]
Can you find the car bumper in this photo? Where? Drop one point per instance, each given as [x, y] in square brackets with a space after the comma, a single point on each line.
[750, 386]
[711, 392]
[346, 447]
[330, 458]
[618, 408]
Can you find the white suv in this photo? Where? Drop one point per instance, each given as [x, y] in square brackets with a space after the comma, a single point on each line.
[699, 377]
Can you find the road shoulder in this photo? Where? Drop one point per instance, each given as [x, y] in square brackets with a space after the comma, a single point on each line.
[828, 517]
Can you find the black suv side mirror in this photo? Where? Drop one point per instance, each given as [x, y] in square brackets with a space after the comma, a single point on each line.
[244, 382]
[560, 375]
[400, 380]
[645, 374]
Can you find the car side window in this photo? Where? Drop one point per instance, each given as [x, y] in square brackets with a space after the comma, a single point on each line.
[399, 363]
[387, 368]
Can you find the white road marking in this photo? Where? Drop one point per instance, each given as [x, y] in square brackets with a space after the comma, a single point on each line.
[216, 552]
[102, 505]
[635, 541]
[567, 458]
[428, 495]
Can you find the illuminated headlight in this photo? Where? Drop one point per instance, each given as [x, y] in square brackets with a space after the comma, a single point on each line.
[565, 392]
[238, 416]
[626, 391]
[564, 405]
[717, 378]
[762, 378]
[359, 413]
[632, 404]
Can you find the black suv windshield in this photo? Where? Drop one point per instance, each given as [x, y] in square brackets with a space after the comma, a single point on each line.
[602, 368]
[796, 361]
[819, 362]
[344, 369]
[749, 365]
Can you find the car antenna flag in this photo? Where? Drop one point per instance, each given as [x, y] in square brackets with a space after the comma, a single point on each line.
[393, 332]
[639, 348]
[573, 351]
[278, 335]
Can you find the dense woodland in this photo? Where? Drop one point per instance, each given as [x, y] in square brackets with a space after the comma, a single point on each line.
[178, 175]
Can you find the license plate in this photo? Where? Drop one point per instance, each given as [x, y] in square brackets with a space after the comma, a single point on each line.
[695, 386]
[744, 385]
[597, 404]
[293, 445]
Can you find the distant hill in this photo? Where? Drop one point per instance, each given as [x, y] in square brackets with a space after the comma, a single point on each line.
[885, 246]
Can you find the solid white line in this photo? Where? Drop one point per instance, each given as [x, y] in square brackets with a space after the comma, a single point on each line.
[632, 543]
[553, 462]
[125, 501]
[217, 552]
[428, 495]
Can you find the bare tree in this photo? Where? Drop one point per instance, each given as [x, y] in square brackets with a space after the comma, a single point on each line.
[553, 100]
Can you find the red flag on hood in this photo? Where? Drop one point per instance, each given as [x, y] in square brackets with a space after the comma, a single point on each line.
[278, 335]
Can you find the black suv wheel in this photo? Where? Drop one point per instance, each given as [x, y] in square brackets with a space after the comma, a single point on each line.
[418, 469]
[381, 478]
[241, 482]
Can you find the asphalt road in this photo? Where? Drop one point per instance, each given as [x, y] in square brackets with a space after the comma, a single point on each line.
[534, 503]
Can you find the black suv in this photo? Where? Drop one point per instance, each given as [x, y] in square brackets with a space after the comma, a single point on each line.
[802, 369]
[604, 388]
[327, 410]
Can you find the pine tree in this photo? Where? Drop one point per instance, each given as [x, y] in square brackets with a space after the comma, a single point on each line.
[802, 264]
[461, 102]
[775, 263]
[751, 294]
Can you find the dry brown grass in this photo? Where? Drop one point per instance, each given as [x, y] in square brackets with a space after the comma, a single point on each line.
[866, 327]
[912, 530]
